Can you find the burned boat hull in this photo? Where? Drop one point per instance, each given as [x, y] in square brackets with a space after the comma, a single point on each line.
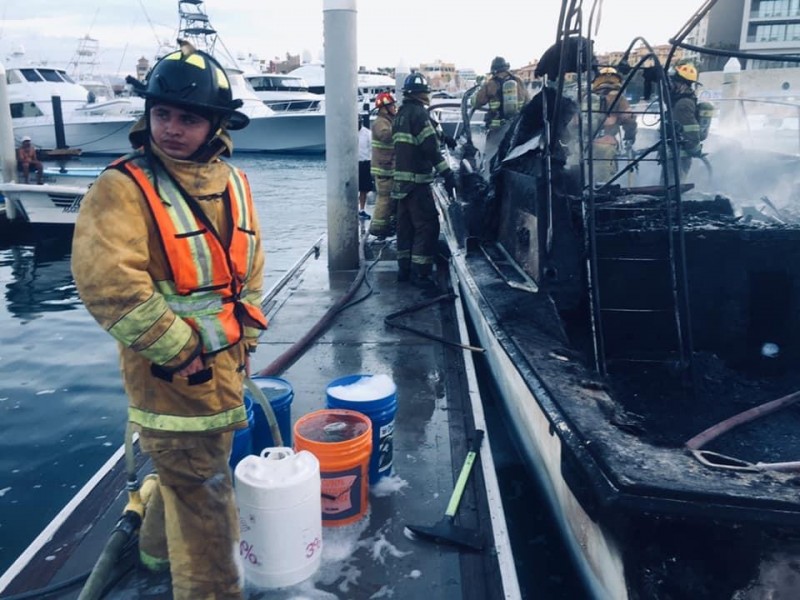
[643, 517]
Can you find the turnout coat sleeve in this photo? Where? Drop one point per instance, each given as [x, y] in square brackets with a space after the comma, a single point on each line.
[115, 260]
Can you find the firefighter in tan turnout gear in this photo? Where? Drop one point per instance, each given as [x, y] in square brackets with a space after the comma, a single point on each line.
[504, 94]
[686, 115]
[605, 143]
[167, 258]
[384, 217]
[416, 159]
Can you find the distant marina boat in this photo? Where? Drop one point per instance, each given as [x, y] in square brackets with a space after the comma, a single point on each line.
[55, 201]
[290, 131]
[287, 93]
[99, 127]
[370, 83]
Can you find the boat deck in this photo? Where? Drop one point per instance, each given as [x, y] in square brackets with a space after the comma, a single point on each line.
[438, 412]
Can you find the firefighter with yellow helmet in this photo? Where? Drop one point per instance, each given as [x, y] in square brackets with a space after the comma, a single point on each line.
[605, 143]
[685, 115]
[167, 258]
[384, 217]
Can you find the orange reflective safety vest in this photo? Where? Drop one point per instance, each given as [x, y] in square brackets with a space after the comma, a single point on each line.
[208, 286]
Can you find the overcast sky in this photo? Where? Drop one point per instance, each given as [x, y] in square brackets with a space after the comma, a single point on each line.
[412, 31]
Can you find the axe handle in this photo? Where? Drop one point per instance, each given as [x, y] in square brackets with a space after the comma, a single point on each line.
[461, 483]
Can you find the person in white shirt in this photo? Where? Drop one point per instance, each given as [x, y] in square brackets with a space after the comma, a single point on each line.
[364, 166]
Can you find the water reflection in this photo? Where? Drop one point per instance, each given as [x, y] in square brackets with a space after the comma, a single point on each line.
[36, 275]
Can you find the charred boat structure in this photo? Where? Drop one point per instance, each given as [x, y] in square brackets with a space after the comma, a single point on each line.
[635, 328]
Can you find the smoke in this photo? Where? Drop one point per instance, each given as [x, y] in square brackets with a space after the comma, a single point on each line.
[745, 161]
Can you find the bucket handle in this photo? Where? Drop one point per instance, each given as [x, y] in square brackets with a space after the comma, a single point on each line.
[276, 453]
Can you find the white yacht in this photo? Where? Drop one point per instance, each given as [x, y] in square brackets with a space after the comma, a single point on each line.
[99, 127]
[283, 92]
[370, 83]
[297, 132]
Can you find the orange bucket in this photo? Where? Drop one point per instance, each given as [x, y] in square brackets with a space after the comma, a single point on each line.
[341, 440]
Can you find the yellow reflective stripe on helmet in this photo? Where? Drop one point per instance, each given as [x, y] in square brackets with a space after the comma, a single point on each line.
[132, 331]
[174, 56]
[161, 422]
[222, 79]
[196, 60]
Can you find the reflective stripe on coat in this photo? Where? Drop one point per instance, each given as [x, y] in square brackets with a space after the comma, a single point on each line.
[206, 290]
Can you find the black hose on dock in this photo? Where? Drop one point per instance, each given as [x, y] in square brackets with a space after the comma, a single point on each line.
[124, 530]
[283, 362]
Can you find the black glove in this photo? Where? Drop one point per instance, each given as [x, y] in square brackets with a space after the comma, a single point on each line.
[449, 141]
[449, 182]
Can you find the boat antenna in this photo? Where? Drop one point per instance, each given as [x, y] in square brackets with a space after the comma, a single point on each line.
[159, 43]
[195, 26]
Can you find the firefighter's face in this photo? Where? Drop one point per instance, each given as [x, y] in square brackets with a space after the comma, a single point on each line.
[179, 133]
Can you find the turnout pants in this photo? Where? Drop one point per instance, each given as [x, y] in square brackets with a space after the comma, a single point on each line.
[417, 231]
[200, 518]
[383, 217]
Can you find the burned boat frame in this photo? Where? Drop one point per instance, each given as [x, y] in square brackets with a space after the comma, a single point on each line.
[618, 323]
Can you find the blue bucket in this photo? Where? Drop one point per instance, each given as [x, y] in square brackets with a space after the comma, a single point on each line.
[279, 392]
[243, 438]
[352, 392]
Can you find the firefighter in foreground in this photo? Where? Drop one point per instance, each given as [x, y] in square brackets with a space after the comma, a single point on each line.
[417, 158]
[384, 217]
[167, 258]
[505, 95]
[605, 143]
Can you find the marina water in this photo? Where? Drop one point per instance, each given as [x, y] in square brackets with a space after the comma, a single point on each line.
[63, 409]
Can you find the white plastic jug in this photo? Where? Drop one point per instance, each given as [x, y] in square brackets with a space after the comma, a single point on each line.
[280, 516]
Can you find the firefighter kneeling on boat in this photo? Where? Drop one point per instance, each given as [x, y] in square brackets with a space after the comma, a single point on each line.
[605, 142]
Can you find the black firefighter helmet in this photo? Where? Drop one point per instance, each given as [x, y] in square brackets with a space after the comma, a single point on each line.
[193, 80]
[416, 83]
[499, 64]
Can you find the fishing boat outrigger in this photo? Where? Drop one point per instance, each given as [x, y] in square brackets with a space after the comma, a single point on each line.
[621, 318]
